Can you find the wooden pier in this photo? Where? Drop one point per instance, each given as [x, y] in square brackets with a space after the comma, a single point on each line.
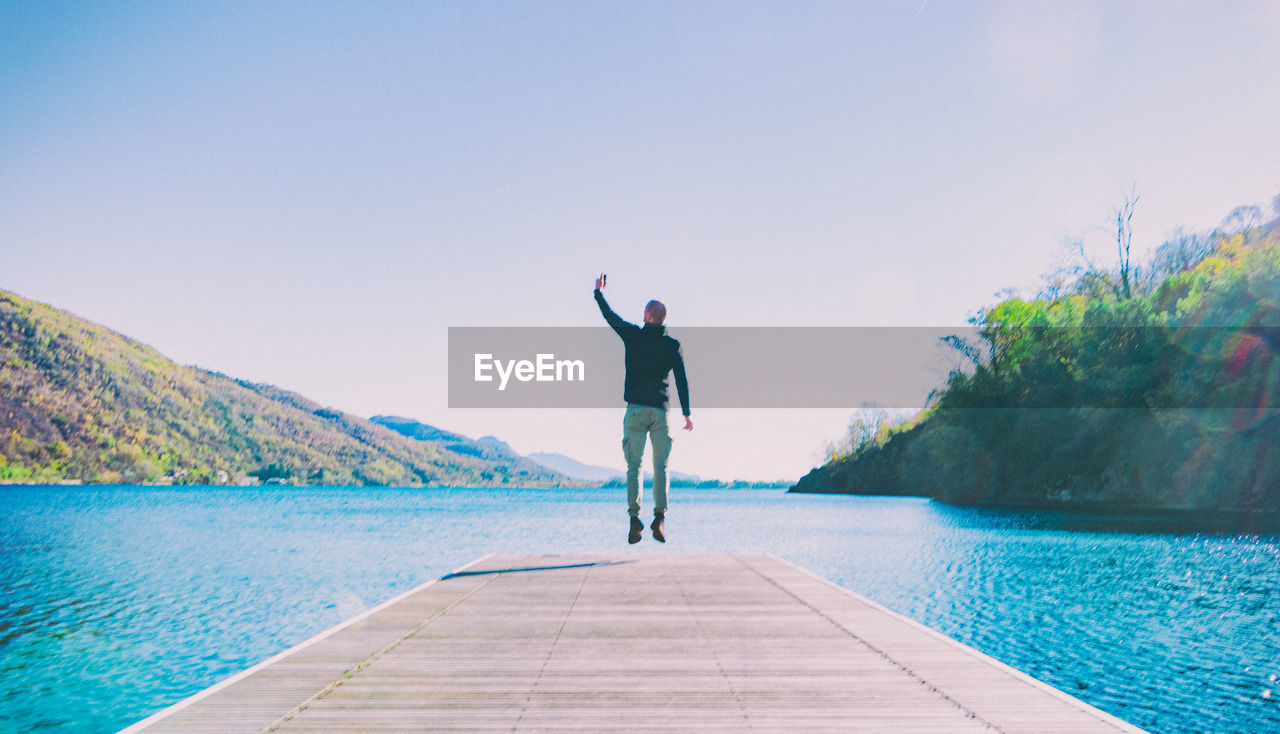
[638, 643]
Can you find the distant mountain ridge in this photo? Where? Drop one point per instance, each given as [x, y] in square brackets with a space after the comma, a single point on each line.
[486, 448]
[492, 447]
[81, 402]
[593, 472]
[570, 466]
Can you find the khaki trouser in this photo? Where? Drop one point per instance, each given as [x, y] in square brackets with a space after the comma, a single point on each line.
[637, 422]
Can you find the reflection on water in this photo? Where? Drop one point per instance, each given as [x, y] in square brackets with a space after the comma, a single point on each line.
[1169, 522]
[115, 602]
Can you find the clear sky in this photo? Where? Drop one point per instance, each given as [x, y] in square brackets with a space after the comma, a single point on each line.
[309, 193]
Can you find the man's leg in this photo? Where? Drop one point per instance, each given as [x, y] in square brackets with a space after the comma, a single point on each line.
[633, 435]
[661, 438]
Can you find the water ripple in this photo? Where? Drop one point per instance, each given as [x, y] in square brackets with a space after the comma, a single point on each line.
[115, 602]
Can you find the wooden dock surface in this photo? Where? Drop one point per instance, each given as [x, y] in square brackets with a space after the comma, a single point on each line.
[637, 643]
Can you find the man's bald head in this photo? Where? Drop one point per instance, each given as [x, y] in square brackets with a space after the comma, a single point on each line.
[655, 312]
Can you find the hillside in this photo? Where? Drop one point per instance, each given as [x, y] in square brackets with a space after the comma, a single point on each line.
[1151, 387]
[495, 449]
[81, 402]
[572, 467]
[486, 448]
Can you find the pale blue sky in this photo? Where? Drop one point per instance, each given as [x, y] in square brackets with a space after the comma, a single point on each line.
[309, 194]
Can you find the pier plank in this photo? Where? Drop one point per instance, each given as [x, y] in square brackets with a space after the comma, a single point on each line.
[655, 642]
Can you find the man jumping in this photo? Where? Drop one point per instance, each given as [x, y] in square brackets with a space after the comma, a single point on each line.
[650, 355]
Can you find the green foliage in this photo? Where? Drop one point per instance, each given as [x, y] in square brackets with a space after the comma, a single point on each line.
[869, 428]
[1096, 397]
[274, 471]
[81, 402]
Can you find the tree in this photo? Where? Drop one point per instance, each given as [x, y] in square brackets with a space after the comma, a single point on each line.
[971, 352]
[1243, 219]
[1182, 251]
[1124, 239]
[868, 427]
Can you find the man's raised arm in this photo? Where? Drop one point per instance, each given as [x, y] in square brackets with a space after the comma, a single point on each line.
[616, 321]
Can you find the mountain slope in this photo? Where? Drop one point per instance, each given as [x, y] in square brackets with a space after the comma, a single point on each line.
[492, 448]
[486, 448]
[79, 401]
[596, 473]
[574, 468]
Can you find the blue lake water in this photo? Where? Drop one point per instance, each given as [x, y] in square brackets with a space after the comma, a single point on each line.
[117, 601]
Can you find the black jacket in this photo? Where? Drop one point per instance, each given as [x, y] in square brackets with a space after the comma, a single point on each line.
[651, 354]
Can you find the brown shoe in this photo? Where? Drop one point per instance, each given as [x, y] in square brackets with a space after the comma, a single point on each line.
[637, 528]
[656, 527]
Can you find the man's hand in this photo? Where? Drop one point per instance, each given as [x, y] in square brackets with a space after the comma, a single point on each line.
[602, 281]
[688, 424]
